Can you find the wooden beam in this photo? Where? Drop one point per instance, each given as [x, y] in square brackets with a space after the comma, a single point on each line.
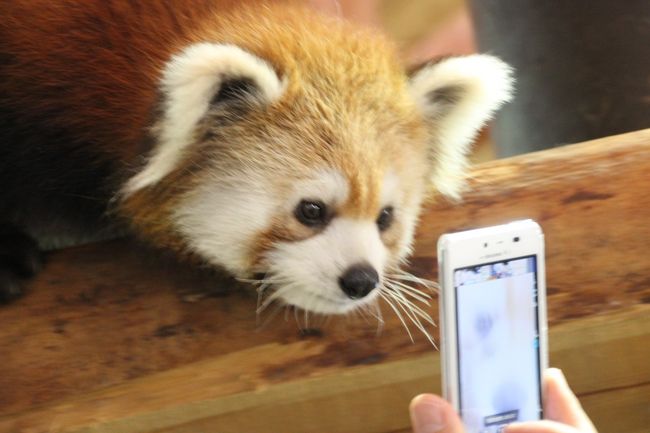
[593, 202]
[359, 399]
[111, 338]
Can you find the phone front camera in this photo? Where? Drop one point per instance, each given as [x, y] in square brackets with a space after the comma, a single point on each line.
[515, 239]
[485, 245]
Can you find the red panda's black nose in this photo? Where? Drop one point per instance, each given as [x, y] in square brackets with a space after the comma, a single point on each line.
[359, 280]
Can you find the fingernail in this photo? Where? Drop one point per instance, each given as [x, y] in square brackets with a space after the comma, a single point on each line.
[428, 416]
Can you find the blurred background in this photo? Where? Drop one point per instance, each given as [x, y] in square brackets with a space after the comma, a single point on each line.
[582, 67]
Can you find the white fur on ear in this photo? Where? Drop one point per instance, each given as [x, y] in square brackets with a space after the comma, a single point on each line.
[457, 96]
[190, 80]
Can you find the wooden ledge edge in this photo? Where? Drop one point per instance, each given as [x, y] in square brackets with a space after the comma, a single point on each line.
[162, 401]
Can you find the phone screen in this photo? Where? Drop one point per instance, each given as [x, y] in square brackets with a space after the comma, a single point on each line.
[498, 344]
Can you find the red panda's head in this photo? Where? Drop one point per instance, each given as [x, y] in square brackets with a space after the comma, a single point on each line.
[294, 146]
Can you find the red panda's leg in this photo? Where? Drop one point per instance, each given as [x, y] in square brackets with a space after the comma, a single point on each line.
[20, 259]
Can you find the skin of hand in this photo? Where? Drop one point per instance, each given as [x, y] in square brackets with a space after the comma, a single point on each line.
[432, 414]
[454, 36]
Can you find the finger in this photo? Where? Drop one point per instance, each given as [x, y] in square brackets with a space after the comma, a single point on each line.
[455, 36]
[363, 12]
[562, 405]
[433, 414]
[544, 426]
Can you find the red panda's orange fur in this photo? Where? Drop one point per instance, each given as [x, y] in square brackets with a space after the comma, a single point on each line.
[93, 68]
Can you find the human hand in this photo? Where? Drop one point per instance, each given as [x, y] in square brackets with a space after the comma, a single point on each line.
[564, 414]
[453, 35]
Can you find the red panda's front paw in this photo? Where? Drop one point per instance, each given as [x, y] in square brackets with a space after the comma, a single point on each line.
[20, 259]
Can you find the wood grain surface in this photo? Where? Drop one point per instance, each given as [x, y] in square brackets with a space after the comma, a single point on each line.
[113, 337]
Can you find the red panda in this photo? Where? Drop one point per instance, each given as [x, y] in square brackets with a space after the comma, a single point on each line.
[262, 138]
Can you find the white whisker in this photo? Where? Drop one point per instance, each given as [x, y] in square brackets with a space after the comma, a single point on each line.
[399, 315]
[405, 276]
[415, 308]
[270, 317]
[404, 293]
[406, 308]
[260, 280]
[295, 315]
[411, 302]
[413, 312]
[364, 313]
[411, 291]
[400, 301]
[260, 296]
[377, 314]
[272, 297]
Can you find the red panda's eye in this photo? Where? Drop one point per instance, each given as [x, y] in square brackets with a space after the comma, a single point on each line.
[385, 218]
[311, 213]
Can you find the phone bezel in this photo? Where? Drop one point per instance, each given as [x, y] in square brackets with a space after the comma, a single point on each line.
[476, 247]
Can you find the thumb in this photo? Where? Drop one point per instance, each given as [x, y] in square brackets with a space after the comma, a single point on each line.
[562, 405]
[433, 414]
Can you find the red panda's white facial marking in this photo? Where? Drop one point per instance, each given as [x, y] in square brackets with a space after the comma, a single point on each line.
[307, 273]
[248, 224]
[222, 219]
[337, 267]
[219, 219]
[326, 186]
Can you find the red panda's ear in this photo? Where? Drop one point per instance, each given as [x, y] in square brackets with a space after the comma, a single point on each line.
[201, 76]
[457, 96]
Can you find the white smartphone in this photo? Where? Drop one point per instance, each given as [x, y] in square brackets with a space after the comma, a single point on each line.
[493, 324]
